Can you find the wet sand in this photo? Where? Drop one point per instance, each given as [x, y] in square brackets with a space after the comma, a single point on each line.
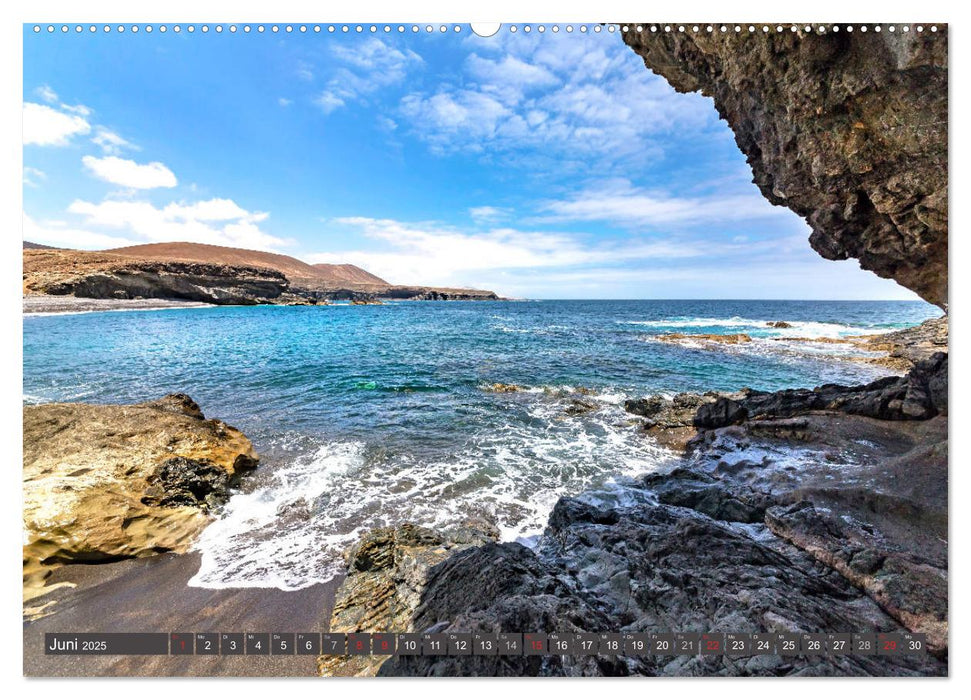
[51, 304]
[152, 595]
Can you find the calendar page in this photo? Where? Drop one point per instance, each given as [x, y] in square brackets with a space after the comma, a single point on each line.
[611, 347]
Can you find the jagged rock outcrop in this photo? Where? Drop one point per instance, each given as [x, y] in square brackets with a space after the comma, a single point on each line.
[502, 588]
[905, 584]
[386, 576]
[918, 395]
[108, 482]
[645, 567]
[849, 130]
[670, 421]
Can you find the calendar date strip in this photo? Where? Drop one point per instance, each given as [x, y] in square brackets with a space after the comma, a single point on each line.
[482, 644]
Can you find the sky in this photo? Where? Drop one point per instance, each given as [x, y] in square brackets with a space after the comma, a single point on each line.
[546, 165]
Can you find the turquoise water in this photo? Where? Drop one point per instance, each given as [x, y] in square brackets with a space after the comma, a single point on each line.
[370, 415]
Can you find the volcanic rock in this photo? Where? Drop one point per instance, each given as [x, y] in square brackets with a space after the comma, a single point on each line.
[847, 130]
[386, 577]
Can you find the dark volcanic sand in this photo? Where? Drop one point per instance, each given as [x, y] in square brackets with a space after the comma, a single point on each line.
[152, 595]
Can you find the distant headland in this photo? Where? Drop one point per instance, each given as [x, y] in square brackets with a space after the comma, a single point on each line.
[196, 272]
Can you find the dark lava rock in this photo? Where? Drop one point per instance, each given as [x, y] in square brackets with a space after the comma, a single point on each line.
[207, 282]
[187, 482]
[907, 587]
[578, 407]
[918, 395]
[707, 494]
[846, 130]
[646, 568]
[646, 407]
[386, 574]
[722, 412]
[672, 568]
[503, 588]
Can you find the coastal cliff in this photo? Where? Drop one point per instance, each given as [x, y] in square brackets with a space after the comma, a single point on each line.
[107, 276]
[848, 130]
[195, 272]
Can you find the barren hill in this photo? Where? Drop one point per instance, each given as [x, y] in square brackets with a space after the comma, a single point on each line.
[210, 273]
[297, 271]
[301, 274]
[348, 274]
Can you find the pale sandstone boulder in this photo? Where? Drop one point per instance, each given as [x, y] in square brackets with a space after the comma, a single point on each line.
[103, 482]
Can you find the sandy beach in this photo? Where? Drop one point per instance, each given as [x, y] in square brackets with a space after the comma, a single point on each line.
[152, 595]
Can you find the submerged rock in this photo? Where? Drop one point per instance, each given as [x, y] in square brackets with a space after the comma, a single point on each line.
[500, 388]
[106, 482]
[704, 339]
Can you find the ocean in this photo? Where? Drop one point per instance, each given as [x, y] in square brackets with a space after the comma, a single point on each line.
[374, 415]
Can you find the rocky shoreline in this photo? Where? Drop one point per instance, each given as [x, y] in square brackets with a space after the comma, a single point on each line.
[805, 511]
[897, 351]
[103, 483]
[792, 511]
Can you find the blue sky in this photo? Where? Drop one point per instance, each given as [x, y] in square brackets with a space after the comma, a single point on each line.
[546, 166]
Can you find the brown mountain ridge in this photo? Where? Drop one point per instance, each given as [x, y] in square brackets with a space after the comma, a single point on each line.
[212, 274]
[297, 271]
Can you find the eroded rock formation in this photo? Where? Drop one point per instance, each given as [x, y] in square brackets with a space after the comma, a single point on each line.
[386, 575]
[849, 130]
[211, 274]
[102, 482]
[106, 276]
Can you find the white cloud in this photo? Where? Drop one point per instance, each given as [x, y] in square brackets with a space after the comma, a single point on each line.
[284, 102]
[128, 173]
[328, 102]
[77, 109]
[214, 210]
[214, 221]
[364, 66]
[33, 176]
[111, 142]
[485, 214]
[430, 253]
[474, 117]
[45, 126]
[46, 93]
[304, 71]
[617, 201]
[509, 73]
[583, 98]
[60, 235]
